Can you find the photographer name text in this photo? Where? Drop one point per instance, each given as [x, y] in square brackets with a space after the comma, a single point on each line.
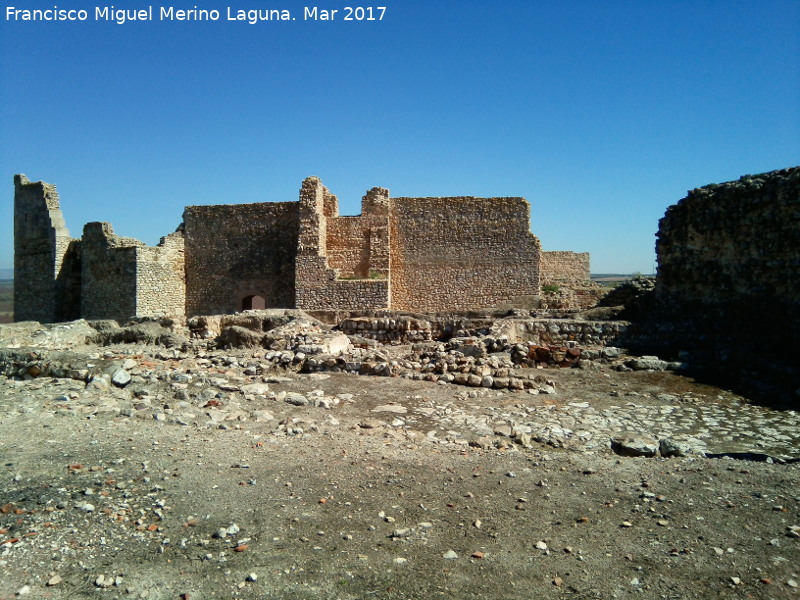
[252, 16]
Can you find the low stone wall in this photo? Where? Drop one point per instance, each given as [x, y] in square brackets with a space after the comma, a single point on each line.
[408, 329]
[563, 331]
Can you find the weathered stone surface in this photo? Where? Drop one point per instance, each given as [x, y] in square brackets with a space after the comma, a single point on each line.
[728, 259]
[669, 448]
[240, 337]
[422, 254]
[634, 446]
[647, 363]
[121, 378]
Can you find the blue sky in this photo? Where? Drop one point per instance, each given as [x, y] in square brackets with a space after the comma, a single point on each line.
[601, 114]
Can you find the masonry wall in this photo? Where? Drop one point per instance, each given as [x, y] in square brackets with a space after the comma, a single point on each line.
[321, 249]
[233, 251]
[729, 256]
[462, 253]
[560, 267]
[160, 278]
[46, 259]
[108, 273]
[348, 247]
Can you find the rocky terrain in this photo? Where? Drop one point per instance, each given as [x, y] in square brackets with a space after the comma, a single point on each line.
[293, 461]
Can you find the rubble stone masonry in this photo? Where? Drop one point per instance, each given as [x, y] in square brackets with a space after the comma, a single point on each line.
[233, 252]
[44, 256]
[413, 254]
[564, 268]
[462, 253]
[729, 265]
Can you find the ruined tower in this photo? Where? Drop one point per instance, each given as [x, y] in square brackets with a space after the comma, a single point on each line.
[46, 259]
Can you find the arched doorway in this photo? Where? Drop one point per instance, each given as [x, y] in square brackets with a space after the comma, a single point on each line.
[254, 302]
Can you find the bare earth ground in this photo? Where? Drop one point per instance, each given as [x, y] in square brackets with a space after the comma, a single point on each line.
[103, 498]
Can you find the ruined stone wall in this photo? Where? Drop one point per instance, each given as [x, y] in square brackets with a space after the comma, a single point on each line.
[565, 268]
[160, 278]
[108, 273]
[322, 237]
[46, 259]
[348, 247]
[462, 253]
[728, 256]
[233, 251]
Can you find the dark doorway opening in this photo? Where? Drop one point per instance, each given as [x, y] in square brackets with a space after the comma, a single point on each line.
[254, 302]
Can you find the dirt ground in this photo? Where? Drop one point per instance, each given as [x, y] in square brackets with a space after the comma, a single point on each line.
[103, 498]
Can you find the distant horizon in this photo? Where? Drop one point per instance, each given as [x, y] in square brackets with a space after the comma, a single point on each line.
[601, 115]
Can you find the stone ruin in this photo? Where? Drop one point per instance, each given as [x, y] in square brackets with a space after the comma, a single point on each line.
[463, 272]
[401, 254]
[728, 282]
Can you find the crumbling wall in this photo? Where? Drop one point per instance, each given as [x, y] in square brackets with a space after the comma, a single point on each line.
[462, 253]
[108, 273]
[564, 268]
[160, 278]
[566, 281]
[320, 251]
[729, 265]
[236, 251]
[46, 259]
[348, 247]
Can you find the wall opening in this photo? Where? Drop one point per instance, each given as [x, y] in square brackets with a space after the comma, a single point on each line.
[254, 302]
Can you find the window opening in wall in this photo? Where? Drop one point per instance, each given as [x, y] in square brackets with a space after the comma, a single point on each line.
[254, 302]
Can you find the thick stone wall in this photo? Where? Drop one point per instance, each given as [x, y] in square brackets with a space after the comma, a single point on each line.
[46, 259]
[728, 257]
[462, 253]
[348, 247]
[322, 237]
[236, 251]
[160, 278]
[565, 268]
[108, 273]
[418, 254]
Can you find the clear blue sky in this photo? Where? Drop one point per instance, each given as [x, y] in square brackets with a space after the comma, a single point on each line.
[600, 113]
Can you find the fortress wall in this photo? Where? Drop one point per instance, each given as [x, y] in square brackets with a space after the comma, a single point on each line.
[348, 247]
[321, 242]
[729, 255]
[564, 267]
[108, 273]
[46, 259]
[462, 253]
[232, 251]
[160, 281]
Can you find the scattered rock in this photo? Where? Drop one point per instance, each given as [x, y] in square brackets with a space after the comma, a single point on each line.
[634, 446]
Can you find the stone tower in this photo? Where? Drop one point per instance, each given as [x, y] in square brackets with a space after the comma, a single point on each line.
[46, 259]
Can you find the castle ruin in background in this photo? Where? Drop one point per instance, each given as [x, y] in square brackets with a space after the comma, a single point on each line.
[408, 254]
